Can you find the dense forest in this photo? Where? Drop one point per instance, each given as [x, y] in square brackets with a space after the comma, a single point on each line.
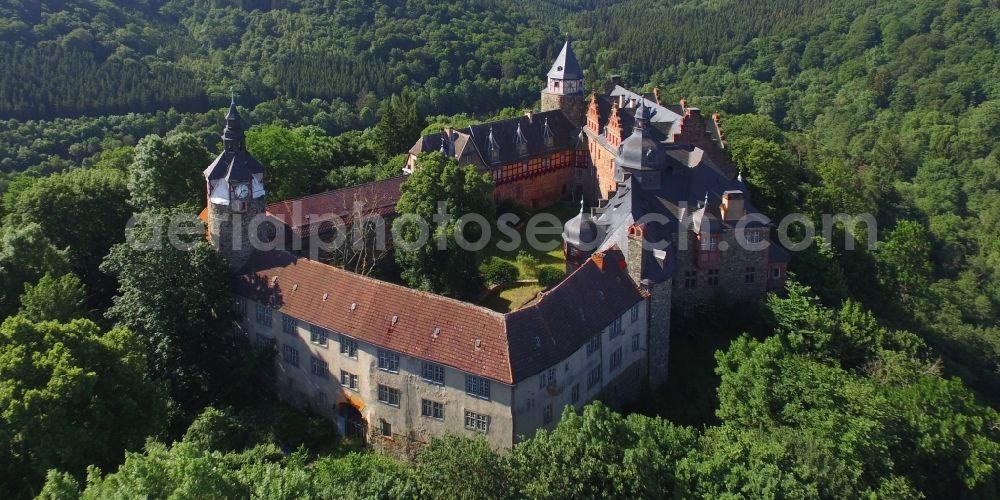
[878, 374]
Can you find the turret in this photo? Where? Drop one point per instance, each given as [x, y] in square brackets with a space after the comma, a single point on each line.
[564, 90]
[234, 184]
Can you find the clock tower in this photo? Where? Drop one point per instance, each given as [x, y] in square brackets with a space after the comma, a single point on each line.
[235, 188]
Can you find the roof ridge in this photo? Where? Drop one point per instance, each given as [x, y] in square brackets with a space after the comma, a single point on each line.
[398, 286]
[349, 188]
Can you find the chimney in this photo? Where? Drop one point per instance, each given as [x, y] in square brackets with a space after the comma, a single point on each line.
[684, 104]
[598, 259]
[656, 94]
[732, 205]
[621, 101]
[529, 114]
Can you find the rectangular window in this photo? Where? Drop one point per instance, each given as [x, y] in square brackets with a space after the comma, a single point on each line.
[388, 395]
[263, 314]
[635, 342]
[754, 236]
[635, 312]
[265, 343]
[776, 272]
[241, 306]
[318, 335]
[750, 275]
[690, 279]
[709, 243]
[349, 380]
[386, 428]
[477, 422]
[477, 386]
[319, 368]
[432, 409]
[348, 347]
[290, 355]
[594, 345]
[388, 361]
[289, 324]
[594, 377]
[547, 414]
[576, 393]
[713, 277]
[616, 359]
[615, 328]
[432, 372]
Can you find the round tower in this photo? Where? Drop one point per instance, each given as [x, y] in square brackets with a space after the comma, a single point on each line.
[235, 188]
[565, 86]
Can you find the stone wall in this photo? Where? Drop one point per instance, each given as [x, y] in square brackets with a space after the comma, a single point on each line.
[572, 106]
[233, 243]
[539, 191]
[733, 262]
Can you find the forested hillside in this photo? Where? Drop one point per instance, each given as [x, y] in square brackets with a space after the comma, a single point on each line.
[877, 375]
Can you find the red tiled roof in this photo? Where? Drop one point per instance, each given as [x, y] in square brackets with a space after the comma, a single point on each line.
[510, 347]
[380, 197]
[302, 283]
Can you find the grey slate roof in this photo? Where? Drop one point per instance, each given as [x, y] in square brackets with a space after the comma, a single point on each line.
[566, 67]
[234, 163]
[543, 133]
[678, 196]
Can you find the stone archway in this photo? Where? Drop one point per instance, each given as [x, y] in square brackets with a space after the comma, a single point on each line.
[351, 422]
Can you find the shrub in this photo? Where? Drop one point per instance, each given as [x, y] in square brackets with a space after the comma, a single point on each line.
[549, 276]
[529, 263]
[496, 271]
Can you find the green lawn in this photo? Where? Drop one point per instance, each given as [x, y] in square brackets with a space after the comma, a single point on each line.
[512, 298]
[563, 211]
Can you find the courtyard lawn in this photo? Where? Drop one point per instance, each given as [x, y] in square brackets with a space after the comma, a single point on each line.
[512, 298]
[554, 257]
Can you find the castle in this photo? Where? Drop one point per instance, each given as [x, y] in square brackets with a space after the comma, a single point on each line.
[671, 225]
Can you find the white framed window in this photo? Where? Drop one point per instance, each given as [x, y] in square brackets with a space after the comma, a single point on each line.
[713, 277]
[754, 236]
[594, 345]
[388, 360]
[319, 368]
[477, 386]
[615, 328]
[477, 421]
[348, 347]
[388, 395]
[290, 355]
[318, 335]
[616, 359]
[289, 324]
[594, 377]
[750, 275]
[385, 428]
[709, 243]
[432, 409]
[432, 372]
[265, 343]
[263, 314]
[349, 380]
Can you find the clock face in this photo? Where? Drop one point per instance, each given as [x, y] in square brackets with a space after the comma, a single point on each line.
[242, 191]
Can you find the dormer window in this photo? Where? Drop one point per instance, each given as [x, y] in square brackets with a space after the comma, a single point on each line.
[492, 147]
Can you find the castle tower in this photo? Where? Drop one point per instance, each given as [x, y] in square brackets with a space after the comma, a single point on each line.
[565, 88]
[235, 188]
